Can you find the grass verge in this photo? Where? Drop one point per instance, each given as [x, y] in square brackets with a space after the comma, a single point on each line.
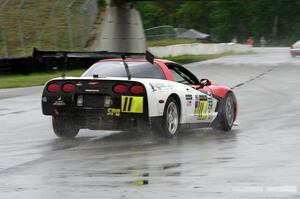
[34, 79]
[185, 59]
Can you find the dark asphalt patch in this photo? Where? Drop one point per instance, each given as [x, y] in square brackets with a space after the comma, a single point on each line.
[63, 144]
[11, 113]
[170, 166]
[174, 174]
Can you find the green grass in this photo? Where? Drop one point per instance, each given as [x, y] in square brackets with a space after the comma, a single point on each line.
[184, 59]
[34, 79]
[167, 42]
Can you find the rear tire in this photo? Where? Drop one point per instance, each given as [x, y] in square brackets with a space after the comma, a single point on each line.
[225, 118]
[64, 127]
[169, 125]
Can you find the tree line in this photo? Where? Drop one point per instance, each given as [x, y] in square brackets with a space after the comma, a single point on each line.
[278, 21]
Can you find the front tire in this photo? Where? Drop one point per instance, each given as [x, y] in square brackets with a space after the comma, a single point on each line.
[64, 127]
[169, 126]
[226, 115]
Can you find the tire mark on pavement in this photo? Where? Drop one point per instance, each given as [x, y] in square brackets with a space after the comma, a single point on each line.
[254, 78]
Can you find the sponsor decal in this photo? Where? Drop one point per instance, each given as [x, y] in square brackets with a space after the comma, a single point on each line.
[163, 86]
[188, 97]
[210, 103]
[210, 107]
[132, 104]
[152, 87]
[189, 103]
[113, 112]
[59, 103]
[201, 105]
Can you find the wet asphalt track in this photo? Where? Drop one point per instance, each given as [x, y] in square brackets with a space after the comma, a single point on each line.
[258, 159]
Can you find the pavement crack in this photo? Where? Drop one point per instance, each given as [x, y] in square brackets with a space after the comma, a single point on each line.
[170, 166]
[14, 112]
[254, 78]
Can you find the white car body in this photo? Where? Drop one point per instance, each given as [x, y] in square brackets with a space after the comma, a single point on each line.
[163, 89]
[158, 89]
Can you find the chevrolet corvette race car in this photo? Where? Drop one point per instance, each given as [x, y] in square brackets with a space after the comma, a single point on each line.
[295, 49]
[136, 94]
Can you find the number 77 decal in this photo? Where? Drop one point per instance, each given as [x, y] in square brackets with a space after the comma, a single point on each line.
[201, 105]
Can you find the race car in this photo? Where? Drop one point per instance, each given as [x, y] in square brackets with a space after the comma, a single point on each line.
[295, 49]
[136, 94]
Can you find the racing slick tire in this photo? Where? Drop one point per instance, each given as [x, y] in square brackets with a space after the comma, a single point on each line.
[225, 118]
[169, 125]
[64, 127]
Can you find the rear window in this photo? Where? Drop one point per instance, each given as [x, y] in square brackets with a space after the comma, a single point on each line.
[117, 69]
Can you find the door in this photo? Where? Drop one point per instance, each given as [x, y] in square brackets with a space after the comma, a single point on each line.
[199, 104]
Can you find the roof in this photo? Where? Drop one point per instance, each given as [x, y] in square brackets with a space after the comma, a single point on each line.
[136, 60]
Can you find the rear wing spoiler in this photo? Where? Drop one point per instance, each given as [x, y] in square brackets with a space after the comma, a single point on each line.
[94, 55]
[63, 59]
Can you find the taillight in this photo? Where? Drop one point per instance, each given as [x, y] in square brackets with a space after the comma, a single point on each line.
[53, 88]
[120, 88]
[68, 87]
[137, 89]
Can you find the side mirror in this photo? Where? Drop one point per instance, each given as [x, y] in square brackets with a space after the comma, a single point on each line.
[205, 82]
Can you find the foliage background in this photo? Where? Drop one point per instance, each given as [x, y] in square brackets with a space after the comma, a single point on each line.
[277, 20]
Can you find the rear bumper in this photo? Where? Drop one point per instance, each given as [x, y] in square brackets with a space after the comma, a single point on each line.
[96, 118]
[100, 119]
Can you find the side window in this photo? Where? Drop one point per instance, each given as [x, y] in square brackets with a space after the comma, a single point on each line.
[182, 75]
[177, 77]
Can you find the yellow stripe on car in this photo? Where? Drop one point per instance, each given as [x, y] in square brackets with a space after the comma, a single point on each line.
[132, 104]
[203, 109]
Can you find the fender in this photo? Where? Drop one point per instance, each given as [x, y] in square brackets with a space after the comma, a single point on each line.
[219, 91]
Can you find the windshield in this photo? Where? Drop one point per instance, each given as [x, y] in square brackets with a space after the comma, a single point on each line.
[117, 69]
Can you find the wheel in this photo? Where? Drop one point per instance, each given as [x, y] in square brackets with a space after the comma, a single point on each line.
[169, 125]
[64, 127]
[225, 118]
